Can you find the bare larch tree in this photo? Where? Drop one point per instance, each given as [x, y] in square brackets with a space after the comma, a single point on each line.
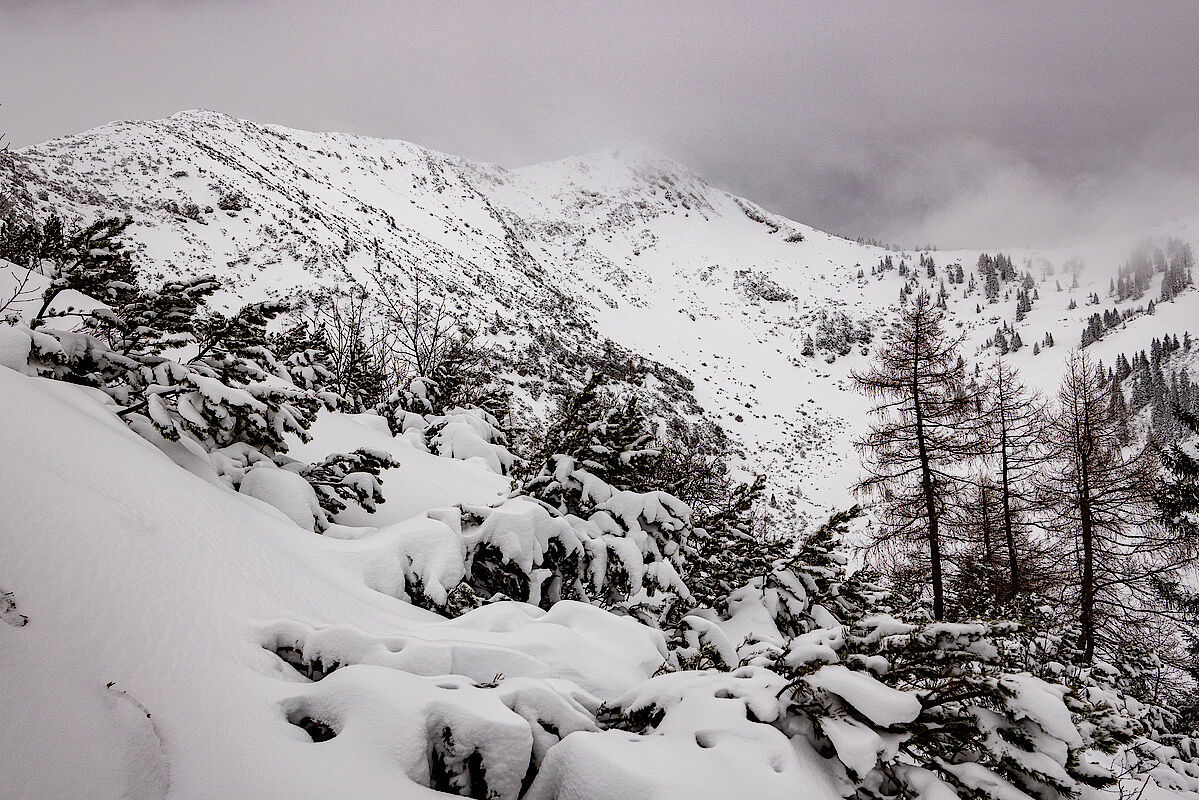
[1012, 424]
[925, 432]
[1097, 494]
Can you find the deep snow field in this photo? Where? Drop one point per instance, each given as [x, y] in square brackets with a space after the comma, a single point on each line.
[173, 638]
[156, 600]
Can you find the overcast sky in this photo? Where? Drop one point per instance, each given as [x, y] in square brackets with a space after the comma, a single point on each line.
[954, 124]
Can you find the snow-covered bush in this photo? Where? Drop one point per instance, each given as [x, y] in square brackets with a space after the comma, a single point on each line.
[285, 491]
[466, 433]
[232, 200]
[218, 397]
[456, 432]
[726, 553]
[904, 707]
[341, 325]
[626, 556]
[836, 333]
[343, 478]
[177, 372]
[597, 442]
[760, 286]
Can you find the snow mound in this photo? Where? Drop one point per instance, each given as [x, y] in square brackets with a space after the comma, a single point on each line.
[708, 742]
[148, 587]
[202, 649]
[422, 481]
[286, 491]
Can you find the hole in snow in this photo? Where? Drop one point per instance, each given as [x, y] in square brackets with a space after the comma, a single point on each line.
[311, 668]
[447, 686]
[317, 729]
[705, 739]
[454, 773]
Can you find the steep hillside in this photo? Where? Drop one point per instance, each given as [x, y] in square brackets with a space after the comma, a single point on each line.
[709, 296]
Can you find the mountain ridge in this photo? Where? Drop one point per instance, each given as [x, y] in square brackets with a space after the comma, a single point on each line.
[561, 258]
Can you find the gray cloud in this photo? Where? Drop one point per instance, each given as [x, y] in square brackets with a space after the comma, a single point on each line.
[957, 123]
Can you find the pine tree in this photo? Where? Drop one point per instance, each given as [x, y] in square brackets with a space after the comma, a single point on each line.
[343, 478]
[92, 261]
[925, 430]
[1176, 503]
[728, 551]
[31, 245]
[1177, 497]
[1178, 272]
[595, 435]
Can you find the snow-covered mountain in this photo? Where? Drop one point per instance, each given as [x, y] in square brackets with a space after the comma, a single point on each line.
[165, 634]
[617, 246]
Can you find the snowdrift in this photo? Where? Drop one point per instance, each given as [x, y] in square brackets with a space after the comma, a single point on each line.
[184, 640]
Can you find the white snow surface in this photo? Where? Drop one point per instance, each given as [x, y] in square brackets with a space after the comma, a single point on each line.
[422, 480]
[705, 747]
[285, 491]
[150, 588]
[879, 703]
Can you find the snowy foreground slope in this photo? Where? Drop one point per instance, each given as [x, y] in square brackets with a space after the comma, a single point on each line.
[156, 602]
[624, 246]
[174, 638]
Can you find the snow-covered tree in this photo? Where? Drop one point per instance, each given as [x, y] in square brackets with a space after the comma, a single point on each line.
[595, 435]
[902, 707]
[341, 326]
[178, 370]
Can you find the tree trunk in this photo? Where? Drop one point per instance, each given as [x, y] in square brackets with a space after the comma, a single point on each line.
[930, 501]
[1086, 641]
[1008, 533]
[985, 510]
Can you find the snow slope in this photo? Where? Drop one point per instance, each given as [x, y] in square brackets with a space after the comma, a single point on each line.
[180, 639]
[161, 609]
[561, 256]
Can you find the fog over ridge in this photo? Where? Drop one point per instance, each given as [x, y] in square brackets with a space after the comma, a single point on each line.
[951, 124]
